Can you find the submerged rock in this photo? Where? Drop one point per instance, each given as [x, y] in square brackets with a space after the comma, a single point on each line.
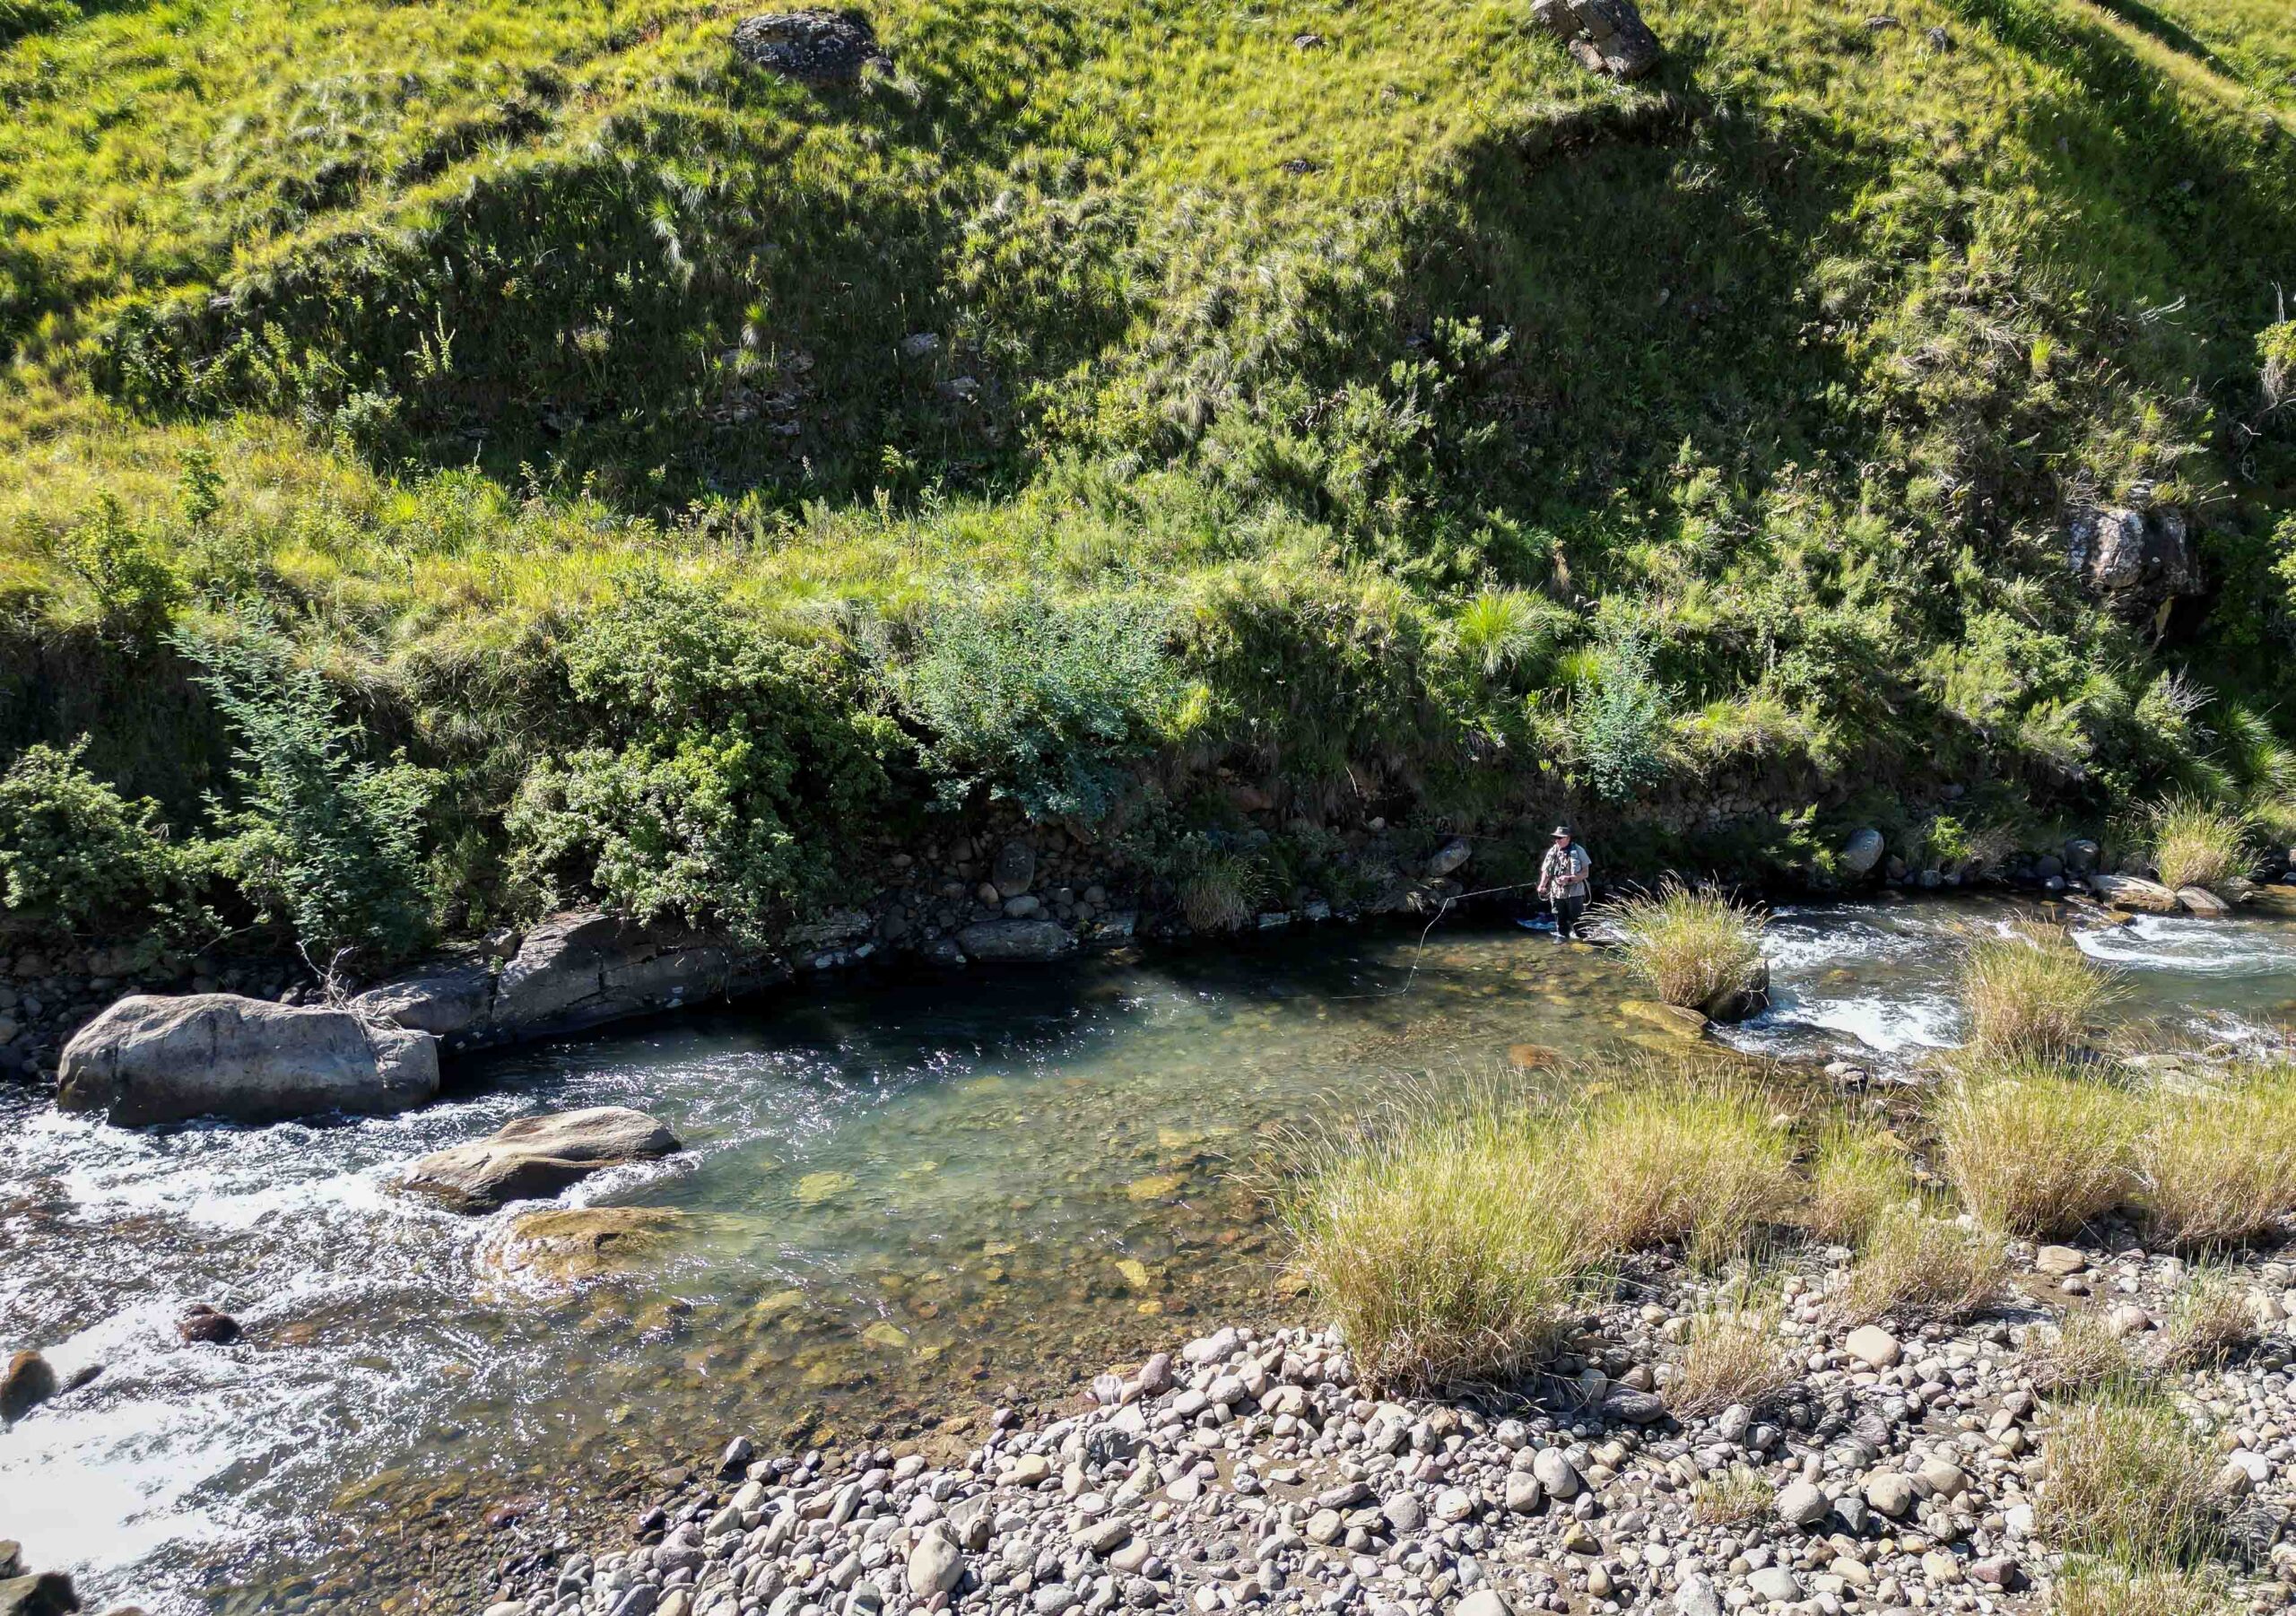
[567, 1247]
[813, 46]
[537, 1156]
[44, 1593]
[1676, 1020]
[1016, 942]
[150, 1059]
[203, 1325]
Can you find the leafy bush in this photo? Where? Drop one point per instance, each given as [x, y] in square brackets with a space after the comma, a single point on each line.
[71, 848]
[734, 767]
[2031, 993]
[2035, 1151]
[1043, 703]
[1624, 720]
[316, 834]
[133, 589]
[1692, 947]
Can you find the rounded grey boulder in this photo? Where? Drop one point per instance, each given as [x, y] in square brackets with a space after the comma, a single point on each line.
[537, 1156]
[152, 1059]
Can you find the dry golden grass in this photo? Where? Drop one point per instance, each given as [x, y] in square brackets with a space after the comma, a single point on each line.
[1914, 1266]
[1733, 1353]
[2218, 1166]
[2094, 1587]
[1740, 1496]
[2033, 1150]
[2033, 994]
[1447, 1249]
[2209, 1320]
[1856, 1174]
[1706, 1161]
[2123, 1475]
[1692, 947]
[2079, 1354]
[2197, 845]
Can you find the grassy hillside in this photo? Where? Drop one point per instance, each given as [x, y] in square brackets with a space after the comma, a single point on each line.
[1115, 401]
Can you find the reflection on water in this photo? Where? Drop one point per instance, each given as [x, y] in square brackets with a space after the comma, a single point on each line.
[894, 1202]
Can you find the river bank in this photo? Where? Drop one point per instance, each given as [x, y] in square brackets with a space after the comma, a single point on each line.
[1883, 1470]
[904, 1198]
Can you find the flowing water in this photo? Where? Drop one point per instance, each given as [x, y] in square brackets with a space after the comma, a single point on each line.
[901, 1202]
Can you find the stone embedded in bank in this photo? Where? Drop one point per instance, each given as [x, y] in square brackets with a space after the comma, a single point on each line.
[1016, 942]
[150, 1059]
[532, 1157]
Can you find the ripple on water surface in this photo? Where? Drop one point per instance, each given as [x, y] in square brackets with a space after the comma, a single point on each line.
[895, 1202]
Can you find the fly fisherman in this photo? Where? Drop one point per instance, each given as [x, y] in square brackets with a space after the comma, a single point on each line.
[1562, 882]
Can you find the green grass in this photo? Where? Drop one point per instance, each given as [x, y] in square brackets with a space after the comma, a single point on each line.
[1856, 1178]
[1662, 1160]
[1459, 438]
[1692, 948]
[2197, 845]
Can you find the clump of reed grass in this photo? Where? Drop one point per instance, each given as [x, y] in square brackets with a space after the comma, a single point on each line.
[2208, 1322]
[2195, 844]
[2033, 1150]
[1448, 1250]
[1733, 1353]
[2123, 1475]
[1857, 1175]
[1692, 947]
[2033, 994]
[2078, 1355]
[2103, 1587]
[1220, 892]
[2218, 1166]
[1914, 1266]
[1740, 1496]
[1703, 1160]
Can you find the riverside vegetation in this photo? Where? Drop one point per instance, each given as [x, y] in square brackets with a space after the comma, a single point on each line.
[458, 464]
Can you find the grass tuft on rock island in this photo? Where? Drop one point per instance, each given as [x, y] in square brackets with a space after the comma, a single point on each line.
[2033, 994]
[1694, 947]
[2198, 843]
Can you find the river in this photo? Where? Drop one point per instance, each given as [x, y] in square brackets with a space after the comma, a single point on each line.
[901, 1199]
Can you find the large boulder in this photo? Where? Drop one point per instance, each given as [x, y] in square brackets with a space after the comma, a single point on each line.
[2135, 893]
[1862, 852]
[44, 1593]
[1604, 35]
[453, 1000]
[150, 1059]
[811, 45]
[537, 1156]
[1015, 942]
[579, 971]
[2134, 560]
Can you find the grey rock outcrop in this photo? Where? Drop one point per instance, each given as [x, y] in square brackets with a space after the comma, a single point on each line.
[537, 1156]
[452, 1001]
[150, 1059]
[1862, 852]
[1606, 36]
[814, 46]
[2135, 559]
[1015, 942]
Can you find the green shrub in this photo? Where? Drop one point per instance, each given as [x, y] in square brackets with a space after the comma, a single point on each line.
[133, 588]
[1624, 720]
[734, 767]
[71, 848]
[316, 834]
[1046, 704]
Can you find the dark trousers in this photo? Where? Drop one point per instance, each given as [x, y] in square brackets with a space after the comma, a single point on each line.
[1567, 911]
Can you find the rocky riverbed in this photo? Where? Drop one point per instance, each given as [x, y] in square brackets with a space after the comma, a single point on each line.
[1898, 1472]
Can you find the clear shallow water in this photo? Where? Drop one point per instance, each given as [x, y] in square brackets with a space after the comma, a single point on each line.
[897, 1201]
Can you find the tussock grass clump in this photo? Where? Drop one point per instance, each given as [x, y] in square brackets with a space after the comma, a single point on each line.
[1705, 1161]
[1220, 892]
[1692, 947]
[2035, 1151]
[2195, 844]
[2208, 1322]
[1918, 1267]
[2218, 1166]
[2033, 994]
[1740, 1496]
[1856, 1176]
[2123, 1475]
[1733, 1353]
[2092, 1587]
[2079, 1355]
[1447, 1251]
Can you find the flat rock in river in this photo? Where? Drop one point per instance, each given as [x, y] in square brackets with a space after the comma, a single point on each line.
[999, 941]
[2132, 892]
[537, 1156]
[151, 1059]
[1677, 1019]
